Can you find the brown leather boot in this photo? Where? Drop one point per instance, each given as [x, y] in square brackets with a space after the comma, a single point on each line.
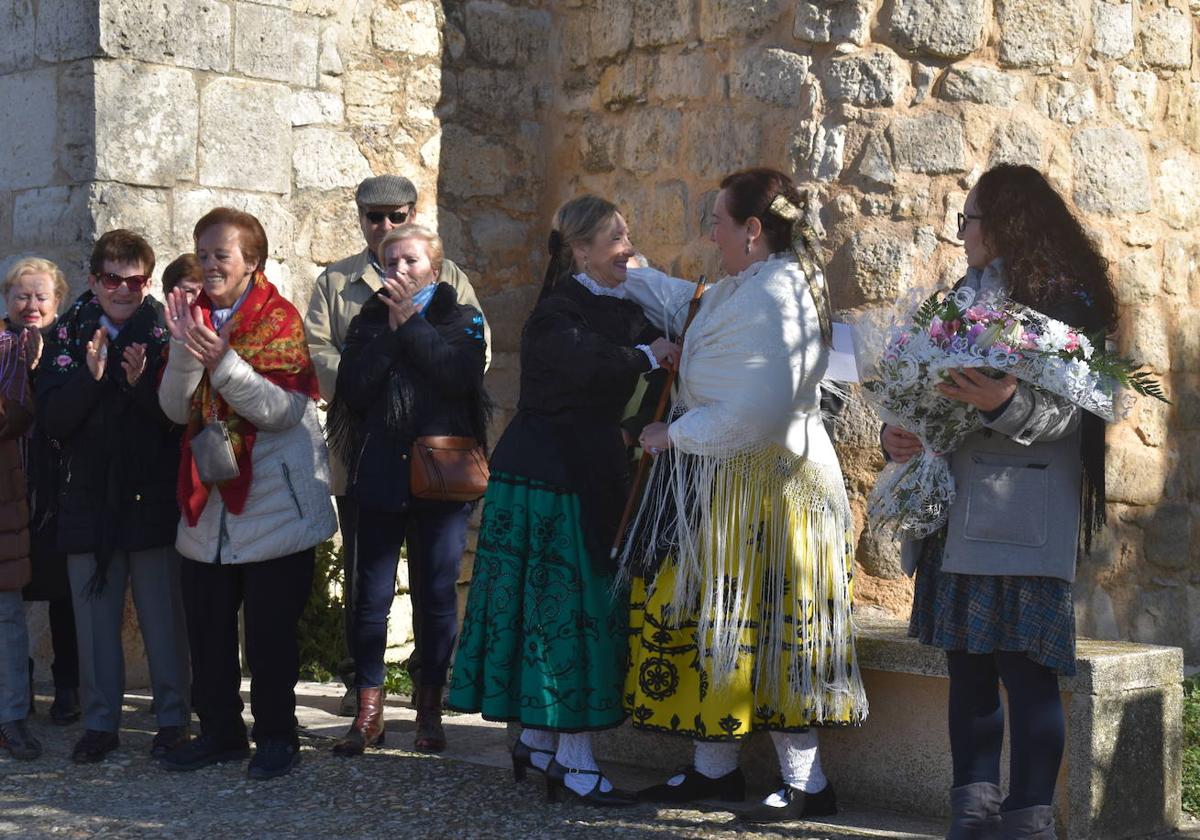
[368, 728]
[431, 737]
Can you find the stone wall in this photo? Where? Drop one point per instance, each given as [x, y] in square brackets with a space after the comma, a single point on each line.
[891, 110]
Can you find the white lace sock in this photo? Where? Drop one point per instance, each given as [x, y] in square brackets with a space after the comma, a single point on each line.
[799, 764]
[539, 739]
[713, 759]
[575, 753]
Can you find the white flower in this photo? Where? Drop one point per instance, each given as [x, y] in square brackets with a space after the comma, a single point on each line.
[1054, 337]
[963, 298]
[1085, 344]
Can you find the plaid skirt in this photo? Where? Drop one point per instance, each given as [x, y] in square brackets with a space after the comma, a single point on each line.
[987, 613]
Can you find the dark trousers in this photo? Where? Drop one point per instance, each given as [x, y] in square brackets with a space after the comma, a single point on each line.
[347, 511]
[65, 667]
[1036, 724]
[272, 594]
[437, 536]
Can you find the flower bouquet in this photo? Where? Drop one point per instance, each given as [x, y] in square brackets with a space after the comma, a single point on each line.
[961, 329]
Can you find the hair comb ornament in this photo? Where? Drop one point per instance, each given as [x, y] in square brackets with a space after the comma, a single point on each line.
[806, 244]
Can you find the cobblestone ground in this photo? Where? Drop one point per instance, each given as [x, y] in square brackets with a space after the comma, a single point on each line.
[467, 793]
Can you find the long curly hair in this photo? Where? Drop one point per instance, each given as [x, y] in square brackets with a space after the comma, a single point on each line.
[1047, 255]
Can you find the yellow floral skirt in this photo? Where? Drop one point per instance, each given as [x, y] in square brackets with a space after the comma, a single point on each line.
[766, 639]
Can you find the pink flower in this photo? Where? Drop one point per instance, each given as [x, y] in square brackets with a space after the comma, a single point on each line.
[63, 361]
[62, 333]
[158, 332]
[1072, 342]
[974, 332]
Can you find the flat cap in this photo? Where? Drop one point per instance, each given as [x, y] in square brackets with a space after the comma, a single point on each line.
[385, 191]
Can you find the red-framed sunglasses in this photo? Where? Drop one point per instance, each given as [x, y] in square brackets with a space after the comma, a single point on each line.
[112, 282]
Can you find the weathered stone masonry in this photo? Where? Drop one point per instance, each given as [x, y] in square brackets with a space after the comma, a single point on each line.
[145, 114]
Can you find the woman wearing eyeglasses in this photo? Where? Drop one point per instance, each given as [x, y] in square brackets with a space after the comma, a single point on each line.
[412, 366]
[116, 500]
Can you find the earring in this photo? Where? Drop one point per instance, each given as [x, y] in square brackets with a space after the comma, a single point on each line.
[585, 264]
[747, 244]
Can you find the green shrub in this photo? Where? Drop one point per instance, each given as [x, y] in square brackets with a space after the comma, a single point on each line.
[322, 632]
[1191, 745]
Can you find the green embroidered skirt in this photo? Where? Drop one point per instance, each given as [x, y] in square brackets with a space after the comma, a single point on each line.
[544, 639]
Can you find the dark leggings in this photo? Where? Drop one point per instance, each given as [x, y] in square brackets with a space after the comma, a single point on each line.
[1036, 724]
[436, 533]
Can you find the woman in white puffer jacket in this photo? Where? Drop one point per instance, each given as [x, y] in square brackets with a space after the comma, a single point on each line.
[239, 357]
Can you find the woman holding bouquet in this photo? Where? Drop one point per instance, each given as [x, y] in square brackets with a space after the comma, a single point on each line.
[741, 555]
[993, 587]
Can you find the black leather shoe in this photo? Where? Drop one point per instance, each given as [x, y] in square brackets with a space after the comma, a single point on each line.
[273, 759]
[695, 785]
[799, 805]
[202, 752]
[94, 746]
[19, 741]
[168, 738]
[65, 708]
[555, 781]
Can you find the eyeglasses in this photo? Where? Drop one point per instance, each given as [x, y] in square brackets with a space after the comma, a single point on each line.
[963, 218]
[396, 217]
[112, 282]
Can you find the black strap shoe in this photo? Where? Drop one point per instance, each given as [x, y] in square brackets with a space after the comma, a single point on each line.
[797, 805]
[19, 741]
[695, 785]
[94, 746]
[556, 775]
[522, 759]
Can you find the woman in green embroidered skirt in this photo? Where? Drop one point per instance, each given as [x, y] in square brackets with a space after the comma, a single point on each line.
[543, 642]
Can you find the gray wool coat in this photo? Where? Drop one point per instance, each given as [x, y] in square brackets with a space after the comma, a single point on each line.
[1018, 486]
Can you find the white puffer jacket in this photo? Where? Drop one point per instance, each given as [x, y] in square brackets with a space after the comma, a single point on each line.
[289, 508]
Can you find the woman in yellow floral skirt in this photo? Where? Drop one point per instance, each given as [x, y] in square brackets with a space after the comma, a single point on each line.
[741, 554]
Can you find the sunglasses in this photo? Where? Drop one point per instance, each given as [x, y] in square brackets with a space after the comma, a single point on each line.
[112, 282]
[963, 218]
[396, 217]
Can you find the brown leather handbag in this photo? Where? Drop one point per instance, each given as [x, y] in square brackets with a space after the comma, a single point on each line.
[448, 469]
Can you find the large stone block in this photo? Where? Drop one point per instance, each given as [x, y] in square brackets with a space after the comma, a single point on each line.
[610, 27]
[773, 76]
[188, 33]
[833, 21]
[664, 219]
[718, 142]
[1111, 175]
[1179, 191]
[422, 92]
[627, 82]
[413, 28]
[1134, 96]
[880, 266]
[688, 76]
[306, 51]
[1064, 101]
[245, 135]
[1166, 36]
[494, 168]
[1016, 142]
[144, 210]
[947, 30]
[67, 29]
[981, 85]
[371, 96]
[188, 205]
[1181, 267]
[651, 139]
[932, 143]
[1034, 33]
[506, 313]
[726, 18]
[264, 42]
[1149, 341]
[324, 159]
[314, 107]
[486, 91]
[657, 23]
[875, 161]
[50, 215]
[17, 35]
[27, 154]
[1112, 28]
[146, 123]
[504, 35]
[599, 145]
[870, 78]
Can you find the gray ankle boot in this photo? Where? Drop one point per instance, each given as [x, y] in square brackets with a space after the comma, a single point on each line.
[1036, 823]
[975, 812]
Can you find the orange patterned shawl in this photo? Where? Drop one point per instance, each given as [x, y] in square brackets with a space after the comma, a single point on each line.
[268, 333]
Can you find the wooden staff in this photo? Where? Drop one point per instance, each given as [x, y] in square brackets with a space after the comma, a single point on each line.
[635, 492]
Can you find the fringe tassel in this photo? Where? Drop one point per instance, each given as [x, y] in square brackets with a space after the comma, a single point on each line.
[770, 516]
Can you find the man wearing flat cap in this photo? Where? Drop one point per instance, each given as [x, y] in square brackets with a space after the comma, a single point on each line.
[384, 202]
